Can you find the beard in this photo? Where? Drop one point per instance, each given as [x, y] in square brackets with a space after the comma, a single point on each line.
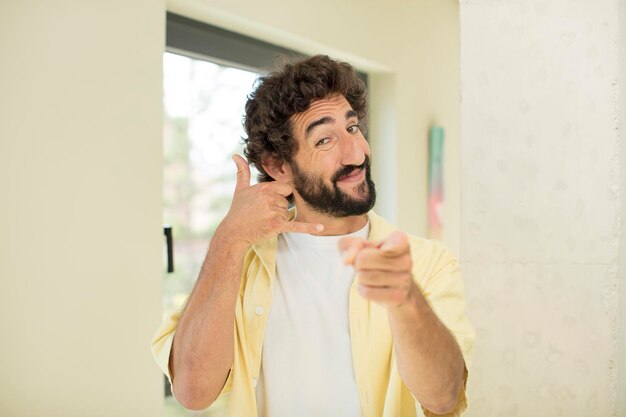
[332, 200]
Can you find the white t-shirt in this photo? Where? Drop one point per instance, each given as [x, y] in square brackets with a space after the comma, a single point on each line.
[306, 366]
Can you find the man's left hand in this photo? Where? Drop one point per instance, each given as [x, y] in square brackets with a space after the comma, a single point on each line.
[383, 269]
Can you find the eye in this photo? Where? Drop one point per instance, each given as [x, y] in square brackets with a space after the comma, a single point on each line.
[353, 128]
[323, 141]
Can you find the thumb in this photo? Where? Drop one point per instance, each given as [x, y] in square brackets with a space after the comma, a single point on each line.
[243, 172]
[396, 243]
[349, 247]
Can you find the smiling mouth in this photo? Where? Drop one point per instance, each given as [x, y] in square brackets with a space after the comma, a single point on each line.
[353, 176]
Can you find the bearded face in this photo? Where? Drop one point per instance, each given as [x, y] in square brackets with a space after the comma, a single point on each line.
[331, 199]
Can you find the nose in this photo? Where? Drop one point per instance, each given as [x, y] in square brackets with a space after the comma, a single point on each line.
[354, 149]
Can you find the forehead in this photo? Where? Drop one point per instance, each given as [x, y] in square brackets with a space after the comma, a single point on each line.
[327, 106]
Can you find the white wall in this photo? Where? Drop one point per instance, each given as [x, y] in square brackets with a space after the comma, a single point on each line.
[411, 51]
[540, 198]
[81, 216]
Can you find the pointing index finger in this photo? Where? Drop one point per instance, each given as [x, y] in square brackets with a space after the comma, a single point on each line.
[395, 244]
[350, 246]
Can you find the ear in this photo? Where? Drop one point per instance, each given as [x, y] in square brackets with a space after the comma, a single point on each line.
[277, 169]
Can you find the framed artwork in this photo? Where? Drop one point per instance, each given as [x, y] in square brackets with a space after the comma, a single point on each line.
[435, 182]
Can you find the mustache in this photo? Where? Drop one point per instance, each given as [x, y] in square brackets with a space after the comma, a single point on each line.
[347, 169]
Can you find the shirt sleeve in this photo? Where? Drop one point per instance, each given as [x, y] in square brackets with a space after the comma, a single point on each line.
[445, 293]
[162, 342]
[162, 348]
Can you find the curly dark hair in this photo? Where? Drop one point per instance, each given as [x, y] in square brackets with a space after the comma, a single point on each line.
[281, 94]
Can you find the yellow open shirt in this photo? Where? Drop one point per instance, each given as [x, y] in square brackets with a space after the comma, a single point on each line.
[381, 391]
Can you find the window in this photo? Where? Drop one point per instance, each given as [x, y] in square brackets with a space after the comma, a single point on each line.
[208, 73]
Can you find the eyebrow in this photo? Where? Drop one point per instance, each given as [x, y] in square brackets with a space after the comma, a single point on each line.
[327, 120]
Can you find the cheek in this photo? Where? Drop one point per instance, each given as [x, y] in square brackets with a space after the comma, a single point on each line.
[325, 163]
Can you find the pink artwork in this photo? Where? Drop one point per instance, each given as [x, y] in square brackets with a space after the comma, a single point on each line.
[435, 183]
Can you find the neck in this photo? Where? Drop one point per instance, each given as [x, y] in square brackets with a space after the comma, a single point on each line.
[333, 226]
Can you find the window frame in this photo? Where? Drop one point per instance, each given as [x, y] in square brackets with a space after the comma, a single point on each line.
[199, 40]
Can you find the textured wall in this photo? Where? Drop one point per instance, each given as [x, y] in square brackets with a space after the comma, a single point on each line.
[621, 359]
[540, 208]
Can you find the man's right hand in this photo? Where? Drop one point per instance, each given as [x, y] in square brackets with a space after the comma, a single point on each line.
[260, 211]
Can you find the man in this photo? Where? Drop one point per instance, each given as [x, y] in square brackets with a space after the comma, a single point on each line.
[322, 309]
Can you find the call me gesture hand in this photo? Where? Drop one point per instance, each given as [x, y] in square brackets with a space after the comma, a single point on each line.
[383, 269]
[260, 211]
